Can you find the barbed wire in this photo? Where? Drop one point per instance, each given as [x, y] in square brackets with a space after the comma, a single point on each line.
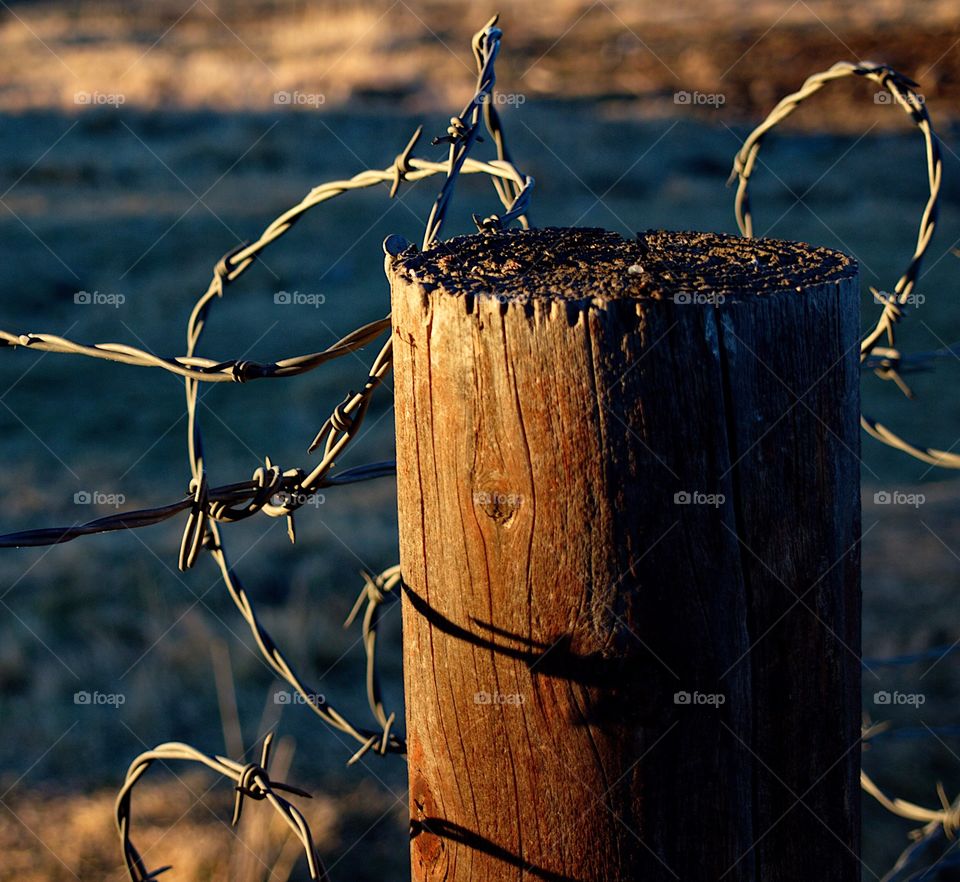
[886, 362]
[946, 817]
[250, 781]
[376, 591]
[273, 491]
[276, 492]
[202, 369]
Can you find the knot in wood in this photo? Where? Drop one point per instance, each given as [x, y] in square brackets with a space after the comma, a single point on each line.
[497, 504]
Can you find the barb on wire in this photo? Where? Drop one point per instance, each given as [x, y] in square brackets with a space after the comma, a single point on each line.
[947, 817]
[902, 93]
[251, 781]
[273, 491]
[464, 130]
[227, 504]
[376, 590]
[203, 369]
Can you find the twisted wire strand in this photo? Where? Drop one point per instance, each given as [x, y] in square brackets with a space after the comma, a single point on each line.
[464, 131]
[250, 781]
[201, 369]
[227, 504]
[376, 591]
[902, 93]
[273, 491]
[946, 817]
[405, 168]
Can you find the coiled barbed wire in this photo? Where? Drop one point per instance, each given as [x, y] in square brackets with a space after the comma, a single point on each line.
[276, 492]
[250, 781]
[463, 132]
[901, 90]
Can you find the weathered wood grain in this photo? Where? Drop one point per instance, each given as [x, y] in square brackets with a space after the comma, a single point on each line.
[557, 392]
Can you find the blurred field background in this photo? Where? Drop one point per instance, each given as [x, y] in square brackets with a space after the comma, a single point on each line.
[141, 199]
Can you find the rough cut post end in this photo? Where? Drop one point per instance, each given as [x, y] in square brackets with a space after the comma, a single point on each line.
[567, 263]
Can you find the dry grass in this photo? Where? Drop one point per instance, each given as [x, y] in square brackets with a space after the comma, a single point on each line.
[181, 822]
[101, 200]
[231, 56]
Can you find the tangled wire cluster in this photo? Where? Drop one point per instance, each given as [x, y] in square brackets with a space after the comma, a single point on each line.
[277, 492]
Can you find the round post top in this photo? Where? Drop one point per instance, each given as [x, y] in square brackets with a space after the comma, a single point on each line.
[593, 264]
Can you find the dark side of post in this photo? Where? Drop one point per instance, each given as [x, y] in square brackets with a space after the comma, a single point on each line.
[628, 476]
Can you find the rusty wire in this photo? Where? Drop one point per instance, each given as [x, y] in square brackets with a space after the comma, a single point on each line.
[886, 362]
[276, 492]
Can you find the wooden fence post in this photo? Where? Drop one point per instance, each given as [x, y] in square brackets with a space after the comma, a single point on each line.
[629, 518]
